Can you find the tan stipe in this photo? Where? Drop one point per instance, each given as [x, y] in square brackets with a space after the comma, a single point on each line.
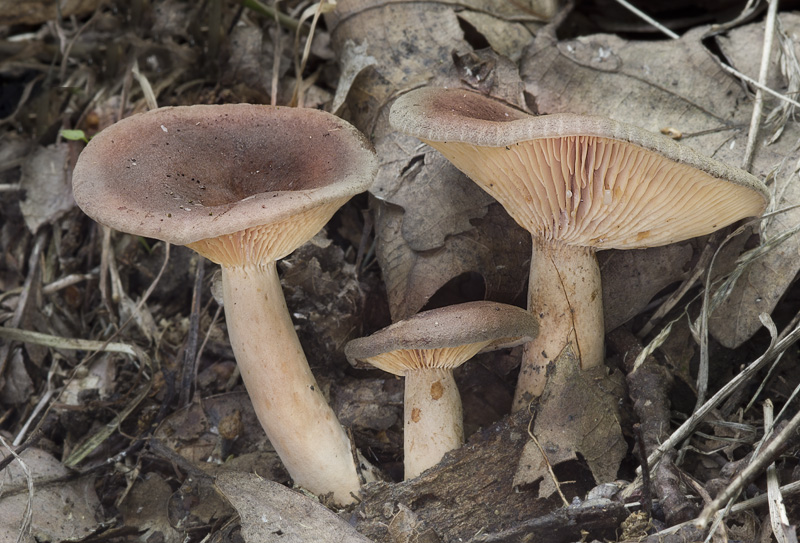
[604, 193]
[267, 242]
[401, 361]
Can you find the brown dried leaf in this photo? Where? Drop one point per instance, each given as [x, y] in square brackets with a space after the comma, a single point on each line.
[271, 512]
[438, 200]
[194, 433]
[353, 59]
[578, 414]
[388, 49]
[766, 280]
[632, 278]
[48, 193]
[62, 511]
[498, 250]
[145, 508]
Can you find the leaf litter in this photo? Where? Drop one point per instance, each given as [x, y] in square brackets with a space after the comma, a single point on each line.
[115, 418]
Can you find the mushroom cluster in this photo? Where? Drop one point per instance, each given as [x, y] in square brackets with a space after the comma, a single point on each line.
[243, 185]
[578, 184]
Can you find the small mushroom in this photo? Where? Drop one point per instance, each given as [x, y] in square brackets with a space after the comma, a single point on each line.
[243, 185]
[578, 184]
[425, 349]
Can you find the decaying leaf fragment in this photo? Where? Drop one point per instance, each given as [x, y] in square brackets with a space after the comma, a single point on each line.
[387, 49]
[578, 414]
[48, 194]
[766, 280]
[500, 250]
[271, 512]
[61, 511]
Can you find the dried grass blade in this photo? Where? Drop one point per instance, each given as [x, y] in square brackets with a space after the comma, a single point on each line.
[784, 532]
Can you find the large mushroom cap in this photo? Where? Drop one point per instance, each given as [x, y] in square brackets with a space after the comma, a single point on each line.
[582, 180]
[184, 174]
[489, 325]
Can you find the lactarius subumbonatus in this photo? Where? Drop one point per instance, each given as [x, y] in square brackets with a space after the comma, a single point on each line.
[425, 349]
[243, 185]
[578, 184]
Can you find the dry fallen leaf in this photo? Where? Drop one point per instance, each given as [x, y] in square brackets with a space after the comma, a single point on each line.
[271, 512]
[578, 414]
[145, 507]
[499, 251]
[61, 511]
[631, 278]
[194, 433]
[766, 279]
[48, 192]
[429, 234]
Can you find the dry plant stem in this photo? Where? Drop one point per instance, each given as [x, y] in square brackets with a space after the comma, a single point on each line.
[639, 13]
[433, 418]
[758, 105]
[777, 510]
[300, 425]
[564, 291]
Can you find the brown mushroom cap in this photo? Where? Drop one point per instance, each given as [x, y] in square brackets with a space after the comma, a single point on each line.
[477, 326]
[581, 180]
[185, 174]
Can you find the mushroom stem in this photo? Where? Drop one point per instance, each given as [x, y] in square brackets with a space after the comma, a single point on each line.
[433, 418]
[299, 422]
[564, 291]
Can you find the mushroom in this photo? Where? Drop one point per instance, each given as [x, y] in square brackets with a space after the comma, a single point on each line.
[425, 349]
[578, 184]
[243, 185]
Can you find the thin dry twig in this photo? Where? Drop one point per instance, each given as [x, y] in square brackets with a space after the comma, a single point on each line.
[685, 430]
[756, 466]
[645, 17]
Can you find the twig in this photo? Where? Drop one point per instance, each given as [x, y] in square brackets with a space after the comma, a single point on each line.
[768, 455]
[190, 352]
[40, 405]
[746, 505]
[697, 417]
[756, 84]
[642, 15]
[641, 455]
[758, 105]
